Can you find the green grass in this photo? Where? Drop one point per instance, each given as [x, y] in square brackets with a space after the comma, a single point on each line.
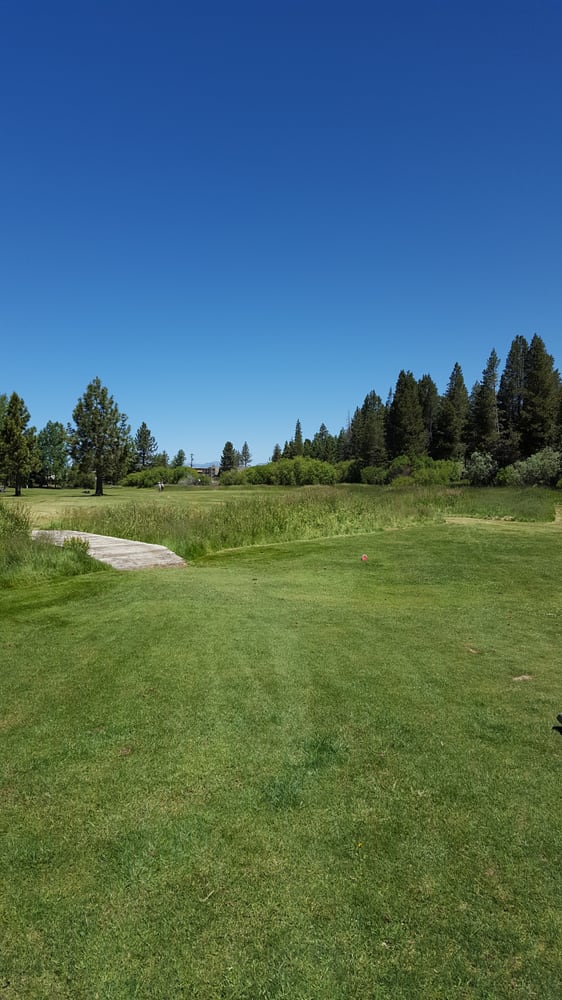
[283, 772]
[195, 523]
[48, 506]
[23, 561]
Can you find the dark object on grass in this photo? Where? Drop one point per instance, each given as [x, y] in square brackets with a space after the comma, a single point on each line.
[558, 728]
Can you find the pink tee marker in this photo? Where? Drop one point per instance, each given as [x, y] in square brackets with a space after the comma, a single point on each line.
[364, 558]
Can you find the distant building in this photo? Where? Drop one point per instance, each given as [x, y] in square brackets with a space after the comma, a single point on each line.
[208, 470]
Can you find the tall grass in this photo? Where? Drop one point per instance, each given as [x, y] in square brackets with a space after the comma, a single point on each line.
[23, 560]
[299, 514]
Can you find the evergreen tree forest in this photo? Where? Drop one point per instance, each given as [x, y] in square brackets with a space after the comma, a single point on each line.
[506, 429]
[506, 418]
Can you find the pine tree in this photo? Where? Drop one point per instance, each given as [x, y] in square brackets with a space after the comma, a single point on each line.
[484, 431]
[342, 451]
[18, 450]
[450, 430]
[297, 440]
[52, 446]
[277, 454]
[540, 399]
[429, 402]
[510, 401]
[324, 445]
[228, 457]
[245, 455]
[355, 435]
[405, 430]
[372, 434]
[179, 460]
[100, 439]
[146, 446]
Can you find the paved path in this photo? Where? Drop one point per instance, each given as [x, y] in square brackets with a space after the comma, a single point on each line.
[118, 552]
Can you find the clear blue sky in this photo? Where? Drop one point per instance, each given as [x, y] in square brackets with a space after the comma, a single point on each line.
[237, 214]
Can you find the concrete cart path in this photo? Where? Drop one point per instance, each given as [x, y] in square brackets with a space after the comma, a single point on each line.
[117, 552]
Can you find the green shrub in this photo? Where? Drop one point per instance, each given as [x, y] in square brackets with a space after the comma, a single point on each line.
[233, 477]
[541, 469]
[439, 472]
[150, 477]
[400, 466]
[374, 475]
[300, 471]
[349, 471]
[509, 476]
[480, 469]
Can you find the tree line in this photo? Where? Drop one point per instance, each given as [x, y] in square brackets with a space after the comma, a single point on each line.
[507, 417]
[96, 448]
[502, 422]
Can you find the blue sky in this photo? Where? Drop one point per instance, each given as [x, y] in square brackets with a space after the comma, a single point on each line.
[237, 214]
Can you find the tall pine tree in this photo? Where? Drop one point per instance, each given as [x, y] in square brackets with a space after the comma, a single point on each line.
[405, 431]
[297, 440]
[511, 395]
[52, 445]
[429, 402]
[100, 440]
[372, 435]
[484, 431]
[229, 457]
[146, 446]
[540, 399]
[18, 454]
[452, 418]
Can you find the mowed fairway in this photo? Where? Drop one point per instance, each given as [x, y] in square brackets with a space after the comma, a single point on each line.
[285, 773]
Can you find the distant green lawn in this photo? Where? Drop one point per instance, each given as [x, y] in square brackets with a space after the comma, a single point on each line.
[48, 504]
[285, 773]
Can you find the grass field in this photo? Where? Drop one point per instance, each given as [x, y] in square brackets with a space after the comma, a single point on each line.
[285, 773]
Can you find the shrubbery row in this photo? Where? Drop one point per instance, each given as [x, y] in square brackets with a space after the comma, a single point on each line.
[542, 469]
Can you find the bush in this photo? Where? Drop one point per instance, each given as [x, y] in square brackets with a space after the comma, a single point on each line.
[233, 477]
[440, 472]
[349, 471]
[510, 476]
[540, 469]
[400, 466]
[84, 480]
[480, 469]
[374, 475]
[150, 477]
[298, 471]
